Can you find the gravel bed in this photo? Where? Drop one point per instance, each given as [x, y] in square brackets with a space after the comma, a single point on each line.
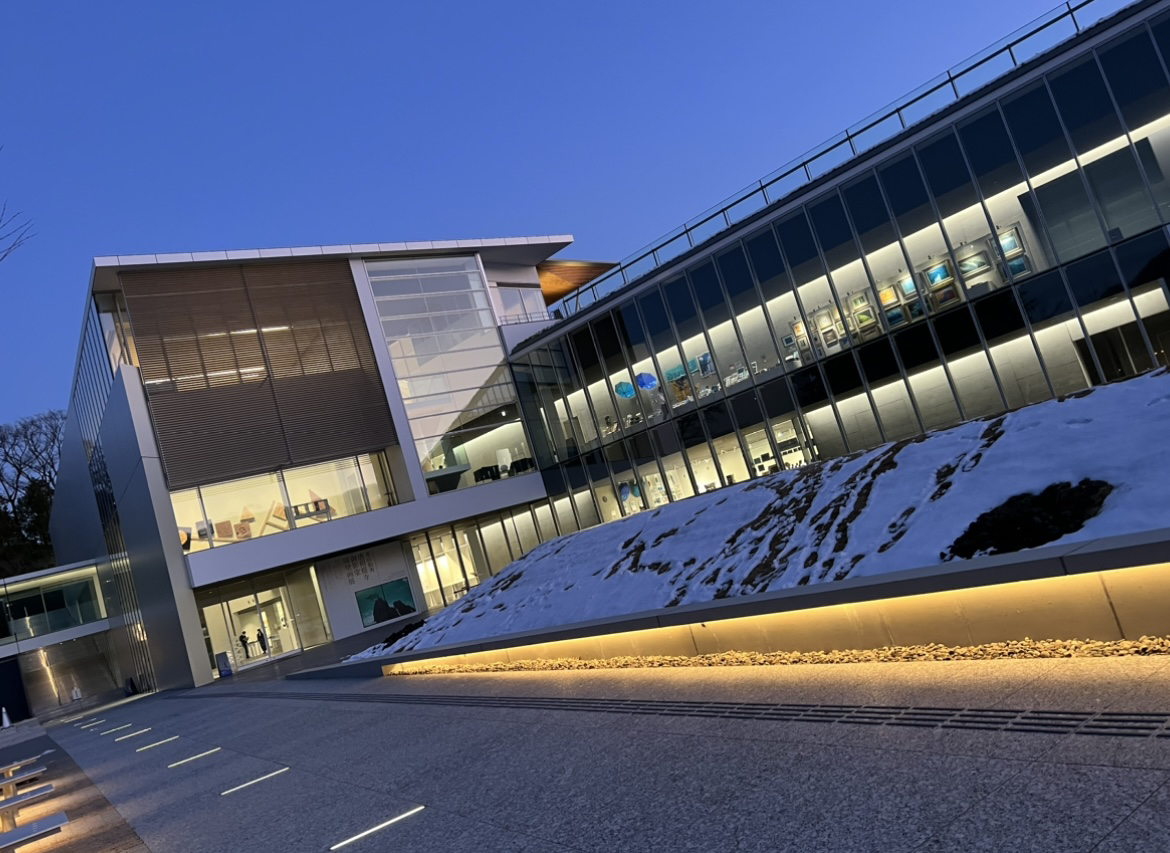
[1018, 649]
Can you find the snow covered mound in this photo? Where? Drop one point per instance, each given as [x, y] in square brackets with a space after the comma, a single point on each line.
[1095, 464]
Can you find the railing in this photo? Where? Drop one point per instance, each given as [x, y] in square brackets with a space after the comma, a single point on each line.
[1062, 23]
[534, 317]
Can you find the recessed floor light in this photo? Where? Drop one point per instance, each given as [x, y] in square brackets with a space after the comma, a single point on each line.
[116, 729]
[374, 829]
[157, 743]
[94, 723]
[132, 734]
[193, 757]
[253, 782]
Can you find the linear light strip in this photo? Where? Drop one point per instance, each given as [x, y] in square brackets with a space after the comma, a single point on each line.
[193, 757]
[374, 829]
[253, 782]
[94, 723]
[73, 719]
[116, 729]
[132, 734]
[158, 743]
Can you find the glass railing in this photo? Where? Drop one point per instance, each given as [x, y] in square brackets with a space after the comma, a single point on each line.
[34, 608]
[1028, 42]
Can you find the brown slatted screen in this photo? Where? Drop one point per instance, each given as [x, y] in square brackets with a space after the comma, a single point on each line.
[248, 369]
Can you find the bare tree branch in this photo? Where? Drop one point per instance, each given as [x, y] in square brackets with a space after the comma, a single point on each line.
[15, 229]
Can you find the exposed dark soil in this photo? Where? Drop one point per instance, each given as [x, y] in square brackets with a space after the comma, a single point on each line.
[1030, 520]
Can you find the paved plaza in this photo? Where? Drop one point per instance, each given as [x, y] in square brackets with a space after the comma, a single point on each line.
[853, 757]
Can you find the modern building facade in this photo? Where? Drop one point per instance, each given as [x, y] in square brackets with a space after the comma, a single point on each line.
[269, 449]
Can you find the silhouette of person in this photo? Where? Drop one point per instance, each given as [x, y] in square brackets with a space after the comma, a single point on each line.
[262, 640]
[244, 643]
[382, 610]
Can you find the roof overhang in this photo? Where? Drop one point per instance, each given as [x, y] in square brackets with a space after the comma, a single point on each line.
[525, 251]
[559, 278]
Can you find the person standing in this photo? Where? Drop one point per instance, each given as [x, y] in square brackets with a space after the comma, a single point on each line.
[262, 640]
[244, 642]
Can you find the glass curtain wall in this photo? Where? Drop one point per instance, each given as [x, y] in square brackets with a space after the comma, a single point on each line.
[259, 619]
[1016, 253]
[225, 513]
[451, 370]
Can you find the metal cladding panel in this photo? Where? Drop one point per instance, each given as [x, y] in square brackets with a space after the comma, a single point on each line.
[252, 368]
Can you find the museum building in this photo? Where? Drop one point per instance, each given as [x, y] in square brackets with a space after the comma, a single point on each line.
[270, 449]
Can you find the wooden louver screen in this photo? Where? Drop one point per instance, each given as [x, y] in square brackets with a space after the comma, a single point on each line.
[253, 368]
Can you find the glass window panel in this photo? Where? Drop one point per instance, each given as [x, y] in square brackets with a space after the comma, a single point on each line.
[669, 449]
[891, 396]
[699, 363]
[566, 520]
[928, 380]
[427, 572]
[846, 270]
[595, 384]
[753, 428]
[626, 396]
[647, 382]
[1056, 330]
[794, 445]
[1145, 265]
[820, 421]
[968, 364]
[1084, 104]
[495, 545]
[815, 296]
[853, 406]
[1012, 350]
[194, 534]
[586, 509]
[1108, 317]
[525, 528]
[247, 508]
[676, 382]
[780, 301]
[1059, 191]
[759, 346]
[325, 491]
[448, 564]
[544, 520]
[1121, 194]
[730, 363]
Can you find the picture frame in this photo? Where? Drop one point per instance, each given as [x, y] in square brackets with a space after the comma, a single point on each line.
[895, 315]
[865, 317]
[839, 328]
[973, 265]
[939, 274]
[1010, 244]
[907, 285]
[798, 328]
[915, 309]
[859, 300]
[829, 337]
[824, 320]
[788, 340]
[1018, 266]
[948, 295]
[888, 296]
[802, 342]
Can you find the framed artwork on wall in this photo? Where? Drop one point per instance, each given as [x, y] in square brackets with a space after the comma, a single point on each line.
[824, 320]
[973, 265]
[946, 296]
[888, 296]
[797, 328]
[915, 309]
[1019, 266]
[907, 286]
[839, 328]
[829, 336]
[859, 300]
[895, 315]
[865, 317]
[1009, 242]
[788, 340]
[939, 274]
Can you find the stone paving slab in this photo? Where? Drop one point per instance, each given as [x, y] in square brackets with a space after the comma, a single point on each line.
[533, 780]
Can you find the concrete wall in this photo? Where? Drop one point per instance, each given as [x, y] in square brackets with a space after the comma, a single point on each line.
[340, 578]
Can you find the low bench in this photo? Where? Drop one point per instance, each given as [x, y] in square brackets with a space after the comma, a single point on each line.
[10, 768]
[10, 806]
[32, 831]
[9, 783]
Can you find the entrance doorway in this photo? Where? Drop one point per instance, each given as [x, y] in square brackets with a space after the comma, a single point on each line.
[260, 619]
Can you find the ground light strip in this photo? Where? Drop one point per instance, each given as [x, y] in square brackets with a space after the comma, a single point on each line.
[132, 734]
[157, 743]
[116, 729]
[253, 782]
[193, 757]
[374, 829]
[94, 723]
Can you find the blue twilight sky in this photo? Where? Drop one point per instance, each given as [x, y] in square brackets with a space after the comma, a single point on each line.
[156, 127]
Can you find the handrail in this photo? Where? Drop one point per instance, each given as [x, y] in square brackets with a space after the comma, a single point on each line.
[1050, 29]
